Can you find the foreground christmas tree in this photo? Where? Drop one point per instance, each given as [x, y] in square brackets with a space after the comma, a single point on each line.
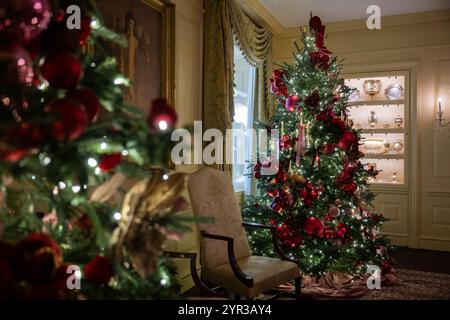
[65, 129]
[318, 200]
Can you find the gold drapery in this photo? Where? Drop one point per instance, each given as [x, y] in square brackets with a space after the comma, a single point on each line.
[223, 18]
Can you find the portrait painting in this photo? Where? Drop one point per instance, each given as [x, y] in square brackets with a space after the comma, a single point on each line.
[148, 59]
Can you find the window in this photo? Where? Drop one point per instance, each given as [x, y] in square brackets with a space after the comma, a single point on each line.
[244, 78]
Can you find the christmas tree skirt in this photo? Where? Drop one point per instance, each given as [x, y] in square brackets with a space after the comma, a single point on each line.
[407, 285]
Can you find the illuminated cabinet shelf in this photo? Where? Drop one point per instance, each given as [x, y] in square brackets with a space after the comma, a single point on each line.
[383, 121]
[379, 109]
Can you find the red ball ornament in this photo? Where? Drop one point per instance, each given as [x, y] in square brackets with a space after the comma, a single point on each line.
[348, 138]
[292, 103]
[16, 67]
[314, 194]
[24, 19]
[277, 207]
[314, 226]
[162, 115]
[99, 270]
[25, 136]
[71, 119]
[303, 194]
[62, 70]
[12, 156]
[109, 161]
[89, 100]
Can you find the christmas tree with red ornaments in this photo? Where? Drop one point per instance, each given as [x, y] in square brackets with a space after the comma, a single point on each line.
[65, 128]
[319, 200]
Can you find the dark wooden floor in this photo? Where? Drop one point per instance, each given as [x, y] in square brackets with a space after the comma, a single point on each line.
[422, 260]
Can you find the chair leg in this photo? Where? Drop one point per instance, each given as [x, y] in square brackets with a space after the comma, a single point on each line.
[298, 287]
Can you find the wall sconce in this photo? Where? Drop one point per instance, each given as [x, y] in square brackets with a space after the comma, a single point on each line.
[440, 121]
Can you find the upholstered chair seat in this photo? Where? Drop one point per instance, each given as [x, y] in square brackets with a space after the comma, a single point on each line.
[266, 273]
[225, 254]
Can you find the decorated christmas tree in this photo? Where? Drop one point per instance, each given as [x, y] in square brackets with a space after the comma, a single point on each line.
[318, 200]
[67, 140]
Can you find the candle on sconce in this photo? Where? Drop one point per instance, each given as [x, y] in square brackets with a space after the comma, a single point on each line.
[440, 104]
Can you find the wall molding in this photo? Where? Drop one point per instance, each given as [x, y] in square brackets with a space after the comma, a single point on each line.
[263, 16]
[438, 193]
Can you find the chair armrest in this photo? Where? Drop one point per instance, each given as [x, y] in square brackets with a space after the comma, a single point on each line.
[276, 243]
[192, 256]
[245, 279]
[257, 225]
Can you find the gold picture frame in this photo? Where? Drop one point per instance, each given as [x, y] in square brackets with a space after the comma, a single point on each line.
[168, 32]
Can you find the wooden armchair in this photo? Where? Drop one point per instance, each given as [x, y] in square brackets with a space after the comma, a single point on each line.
[224, 250]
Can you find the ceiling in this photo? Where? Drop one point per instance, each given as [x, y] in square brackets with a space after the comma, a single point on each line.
[293, 13]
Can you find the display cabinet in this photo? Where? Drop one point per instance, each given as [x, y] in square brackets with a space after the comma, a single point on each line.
[379, 107]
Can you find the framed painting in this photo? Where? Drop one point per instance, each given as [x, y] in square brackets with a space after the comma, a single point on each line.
[149, 59]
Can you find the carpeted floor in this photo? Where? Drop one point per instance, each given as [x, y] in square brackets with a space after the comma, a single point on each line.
[414, 285]
[421, 274]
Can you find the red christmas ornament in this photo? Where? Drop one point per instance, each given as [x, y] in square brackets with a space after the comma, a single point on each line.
[25, 136]
[303, 194]
[314, 227]
[16, 67]
[89, 100]
[292, 103]
[62, 70]
[314, 194]
[162, 115]
[348, 138]
[24, 19]
[341, 230]
[350, 188]
[277, 207]
[71, 119]
[12, 156]
[109, 161]
[99, 270]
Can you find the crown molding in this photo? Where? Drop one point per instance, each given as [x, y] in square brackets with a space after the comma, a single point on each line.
[258, 12]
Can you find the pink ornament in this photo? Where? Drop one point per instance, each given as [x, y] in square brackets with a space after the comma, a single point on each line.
[333, 211]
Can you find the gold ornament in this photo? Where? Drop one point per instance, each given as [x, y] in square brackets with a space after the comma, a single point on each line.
[136, 239]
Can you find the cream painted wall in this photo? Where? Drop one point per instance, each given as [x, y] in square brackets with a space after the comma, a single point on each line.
[189, 59]
[189, 64]
[419, 43]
